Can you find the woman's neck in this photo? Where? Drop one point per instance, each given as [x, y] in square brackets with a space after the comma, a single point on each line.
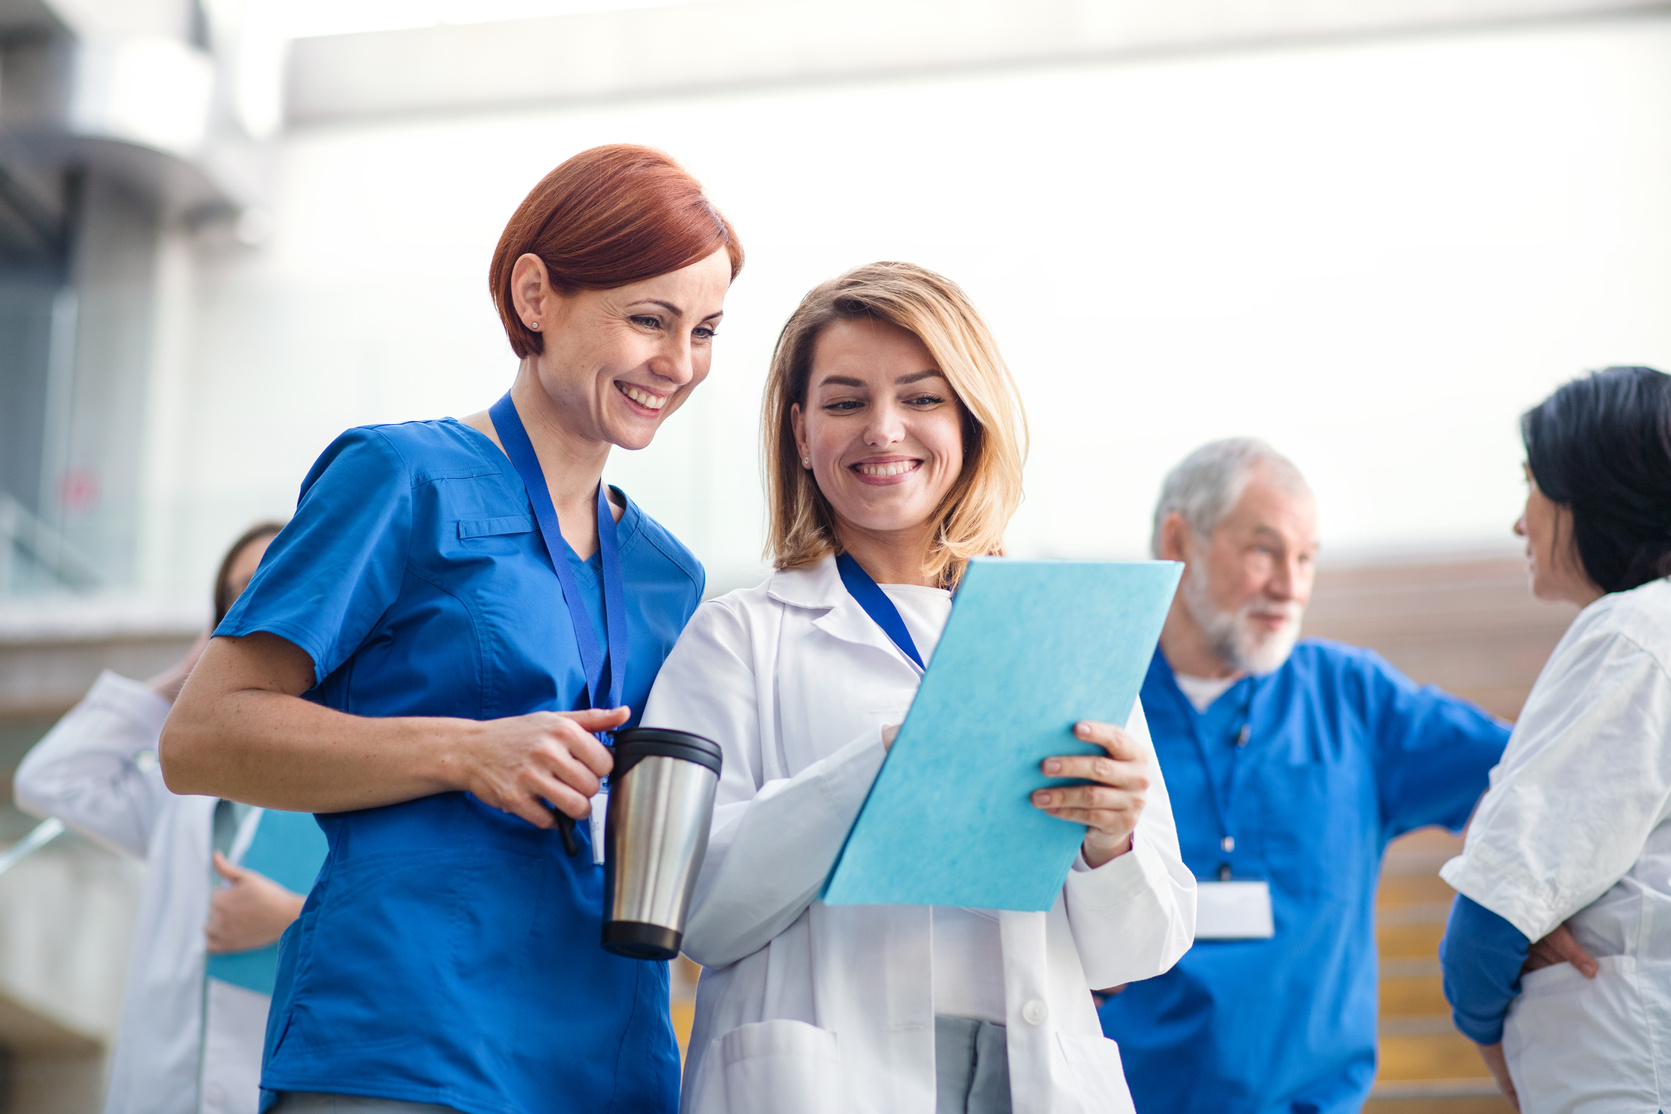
[572, 463]
[890, 557]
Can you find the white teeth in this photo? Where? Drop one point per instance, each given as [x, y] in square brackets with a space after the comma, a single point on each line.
[893, 468]
[643, 398]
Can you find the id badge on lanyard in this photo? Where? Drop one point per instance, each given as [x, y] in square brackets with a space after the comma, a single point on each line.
[593, 658]
[1233, 911]
[1229, 908]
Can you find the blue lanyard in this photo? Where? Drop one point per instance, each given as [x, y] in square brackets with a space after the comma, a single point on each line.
[521, 452]
[1224, 804]
[878, 606]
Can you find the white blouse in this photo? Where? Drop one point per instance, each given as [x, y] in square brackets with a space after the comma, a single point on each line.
[1576, 828]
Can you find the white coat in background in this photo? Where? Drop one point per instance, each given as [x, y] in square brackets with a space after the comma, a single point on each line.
[808, 1007]
[1576, 827]
[186, 1044]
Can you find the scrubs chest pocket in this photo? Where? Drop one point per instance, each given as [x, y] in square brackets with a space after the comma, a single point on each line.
[494, 527]
[1316, 818]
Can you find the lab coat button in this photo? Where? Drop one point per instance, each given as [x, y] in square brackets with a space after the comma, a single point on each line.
[1034, 1012]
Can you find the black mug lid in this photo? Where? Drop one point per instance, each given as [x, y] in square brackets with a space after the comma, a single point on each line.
[638, 743]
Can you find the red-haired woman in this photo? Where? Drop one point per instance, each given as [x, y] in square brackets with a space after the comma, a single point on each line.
[424, 656]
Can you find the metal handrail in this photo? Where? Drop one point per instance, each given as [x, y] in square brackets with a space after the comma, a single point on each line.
[20, 528]
[41, 835]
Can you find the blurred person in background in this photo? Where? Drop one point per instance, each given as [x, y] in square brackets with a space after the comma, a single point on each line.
[425, 656]
[222, 883]
[1574, 837]
[1291, 766]
[894, 446]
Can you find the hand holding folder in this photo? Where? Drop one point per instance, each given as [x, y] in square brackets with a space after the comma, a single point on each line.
[1031, 648]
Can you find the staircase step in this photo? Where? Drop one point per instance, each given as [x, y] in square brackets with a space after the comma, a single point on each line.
[1425, 1056]
[1404, 889]
[1438, 1096]
[1428, 1104]
[1435, 1089]
[1415, 912]
[1409, 940]
[1404, 997]
[1423, 1024]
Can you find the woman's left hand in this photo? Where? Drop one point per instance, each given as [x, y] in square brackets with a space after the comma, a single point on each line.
[250, 911]
[1494, 1059]
[1110, 805]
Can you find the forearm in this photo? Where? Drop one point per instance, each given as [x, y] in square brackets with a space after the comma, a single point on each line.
[281, 751]
[1481, 956]
[86, 770]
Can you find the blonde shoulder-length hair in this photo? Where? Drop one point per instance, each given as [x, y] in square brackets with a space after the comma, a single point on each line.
[970, 521]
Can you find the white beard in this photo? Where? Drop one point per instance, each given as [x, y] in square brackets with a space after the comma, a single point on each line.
[1232, 635]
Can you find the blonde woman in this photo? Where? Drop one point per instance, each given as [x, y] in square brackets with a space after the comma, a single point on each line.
[894, 444]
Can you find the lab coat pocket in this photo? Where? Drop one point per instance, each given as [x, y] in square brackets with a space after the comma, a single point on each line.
[1577, 1044]
[1095, 1074]
[771, 1067]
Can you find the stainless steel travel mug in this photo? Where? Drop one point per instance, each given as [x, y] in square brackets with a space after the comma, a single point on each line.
[661, 802]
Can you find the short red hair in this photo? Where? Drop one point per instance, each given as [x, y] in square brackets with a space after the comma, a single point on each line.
[607, 217]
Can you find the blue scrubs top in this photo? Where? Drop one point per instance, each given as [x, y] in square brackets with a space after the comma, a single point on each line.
[1344, 753]
[1481, 957]
[449, 952]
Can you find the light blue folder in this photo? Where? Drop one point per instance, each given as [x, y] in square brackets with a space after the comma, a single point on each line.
[289, 848]
[1032, 647]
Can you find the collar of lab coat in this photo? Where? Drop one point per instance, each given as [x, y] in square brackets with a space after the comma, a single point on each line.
[819, 588]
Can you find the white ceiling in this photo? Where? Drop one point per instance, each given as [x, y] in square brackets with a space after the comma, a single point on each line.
[667, 48]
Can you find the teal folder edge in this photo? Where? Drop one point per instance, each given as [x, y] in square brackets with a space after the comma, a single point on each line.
[1031, 648]
[289, 848]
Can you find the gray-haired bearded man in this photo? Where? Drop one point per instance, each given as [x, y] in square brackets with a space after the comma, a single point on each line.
[1291, 765]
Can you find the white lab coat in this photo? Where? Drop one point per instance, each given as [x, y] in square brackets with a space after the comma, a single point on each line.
[1576, 827]
[810, 1007]
[186, 1044]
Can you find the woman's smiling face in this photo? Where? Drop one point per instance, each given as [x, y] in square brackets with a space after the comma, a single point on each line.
[881, 429]
[617, 362]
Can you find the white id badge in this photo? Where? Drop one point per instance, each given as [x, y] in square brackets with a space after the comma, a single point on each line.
[1233, 911]
[600, 811]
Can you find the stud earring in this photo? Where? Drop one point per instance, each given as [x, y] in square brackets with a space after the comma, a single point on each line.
[806, 462]
[534, 325]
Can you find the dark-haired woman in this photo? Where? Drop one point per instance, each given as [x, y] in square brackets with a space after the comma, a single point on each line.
[425, 656]
[200, 973]
[1576, 828]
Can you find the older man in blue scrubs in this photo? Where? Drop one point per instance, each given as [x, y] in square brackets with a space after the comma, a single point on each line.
[1291, 765]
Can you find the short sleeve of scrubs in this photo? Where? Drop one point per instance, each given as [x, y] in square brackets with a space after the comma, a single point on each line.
[1432, 751]
[337, 566]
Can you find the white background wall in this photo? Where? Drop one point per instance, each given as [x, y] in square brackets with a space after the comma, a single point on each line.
[1374, 254]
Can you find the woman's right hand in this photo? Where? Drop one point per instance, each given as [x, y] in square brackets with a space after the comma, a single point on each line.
[1560, 946]
[519, 763]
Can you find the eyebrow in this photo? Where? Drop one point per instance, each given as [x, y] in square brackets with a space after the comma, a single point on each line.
[1273, 532]
[903, 380]
[675, 310]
